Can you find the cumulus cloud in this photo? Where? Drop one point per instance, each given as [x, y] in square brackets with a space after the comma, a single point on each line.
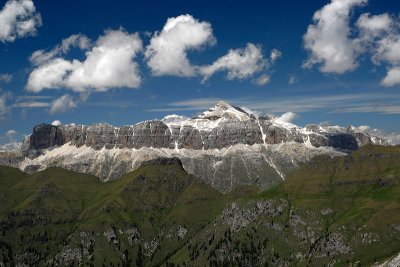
[239, 63]
[76, 40]
[5, 77]
[18, 18]
[335, 45]
[109, 61]
[275, 54]
[287, 117]
[392, 77]
[373, 26]
[51, 75]
[328, 39]
[380, 34]
[266, 78]
[108, 64]
[56, 123]
[167, 52]
[62, 104]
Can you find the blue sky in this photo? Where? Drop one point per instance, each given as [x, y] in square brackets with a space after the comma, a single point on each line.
[352, 75]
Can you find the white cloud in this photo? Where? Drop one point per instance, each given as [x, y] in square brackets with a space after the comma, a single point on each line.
[32, 97]
[275, 55]
[6, 77]
[392, 77]
[379, 103]
[380, 35]
[31, 101]
[51, 75]
[389, 108]
[167, 52]
[239, 63]
[287, 117]
[76, 40]
[31, 104]
[392, 138]
[108, 64]
[388, 50]
[11, 134]
[334, 44]
[189, 104]
[12, 143]
[56, 123]
[329, 39]
[262, 80]
[62, 104]
[372, 26]
[18, 18]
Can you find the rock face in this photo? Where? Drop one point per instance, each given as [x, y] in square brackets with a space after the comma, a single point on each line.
[11, 158]
[46, 135]
[224, 146]
[220, 127]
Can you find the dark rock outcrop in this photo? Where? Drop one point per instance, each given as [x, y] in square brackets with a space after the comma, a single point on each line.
[46, 135]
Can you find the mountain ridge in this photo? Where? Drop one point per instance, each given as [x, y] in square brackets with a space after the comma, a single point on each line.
[221, 126]
[223, 146]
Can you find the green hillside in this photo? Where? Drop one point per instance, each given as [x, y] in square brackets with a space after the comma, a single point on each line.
[343, 212]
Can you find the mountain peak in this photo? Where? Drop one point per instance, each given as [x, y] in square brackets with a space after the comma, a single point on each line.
[223, 105]
[223, 109]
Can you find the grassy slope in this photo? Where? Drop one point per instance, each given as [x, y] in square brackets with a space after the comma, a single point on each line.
[48, 211]
[64, 203]
[366, 182]
[363, 190]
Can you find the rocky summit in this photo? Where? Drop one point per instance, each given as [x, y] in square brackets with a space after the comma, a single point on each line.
[224, 146]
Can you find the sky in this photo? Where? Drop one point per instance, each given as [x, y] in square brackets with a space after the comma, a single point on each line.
[122, 62]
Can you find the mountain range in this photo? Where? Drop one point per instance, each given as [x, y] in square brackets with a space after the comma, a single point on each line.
[224, 146]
